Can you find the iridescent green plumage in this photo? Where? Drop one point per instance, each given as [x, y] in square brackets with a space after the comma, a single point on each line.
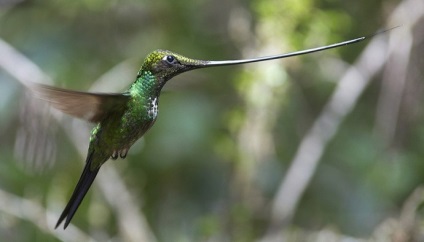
[123, 118]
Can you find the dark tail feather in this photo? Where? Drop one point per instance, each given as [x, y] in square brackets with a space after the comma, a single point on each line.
[84, 183]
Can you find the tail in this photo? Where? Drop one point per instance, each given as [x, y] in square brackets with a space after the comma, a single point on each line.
[84, 183]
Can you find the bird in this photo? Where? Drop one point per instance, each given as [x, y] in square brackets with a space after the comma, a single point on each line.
[122, 118]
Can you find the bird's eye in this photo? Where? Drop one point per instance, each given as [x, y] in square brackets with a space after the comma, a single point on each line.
[170, 59]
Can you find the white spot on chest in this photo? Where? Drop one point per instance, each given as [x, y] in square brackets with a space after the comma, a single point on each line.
[152, 108]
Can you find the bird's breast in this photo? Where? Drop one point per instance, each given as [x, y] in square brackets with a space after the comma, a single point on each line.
[152, 107]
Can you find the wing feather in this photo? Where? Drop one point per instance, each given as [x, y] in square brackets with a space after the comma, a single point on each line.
[92, 107]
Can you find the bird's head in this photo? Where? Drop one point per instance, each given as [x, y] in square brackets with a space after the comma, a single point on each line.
[165, 64]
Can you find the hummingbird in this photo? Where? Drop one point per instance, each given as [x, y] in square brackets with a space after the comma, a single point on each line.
[122, 118]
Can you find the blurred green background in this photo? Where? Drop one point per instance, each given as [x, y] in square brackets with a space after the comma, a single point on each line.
[225, 137]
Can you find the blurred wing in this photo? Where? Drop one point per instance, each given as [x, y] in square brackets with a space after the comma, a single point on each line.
[92, 107]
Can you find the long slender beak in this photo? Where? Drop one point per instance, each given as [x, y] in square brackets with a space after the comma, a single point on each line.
[281, 56]
[290, 54]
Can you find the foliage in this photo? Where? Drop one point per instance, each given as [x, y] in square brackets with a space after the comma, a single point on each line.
[210, 168]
